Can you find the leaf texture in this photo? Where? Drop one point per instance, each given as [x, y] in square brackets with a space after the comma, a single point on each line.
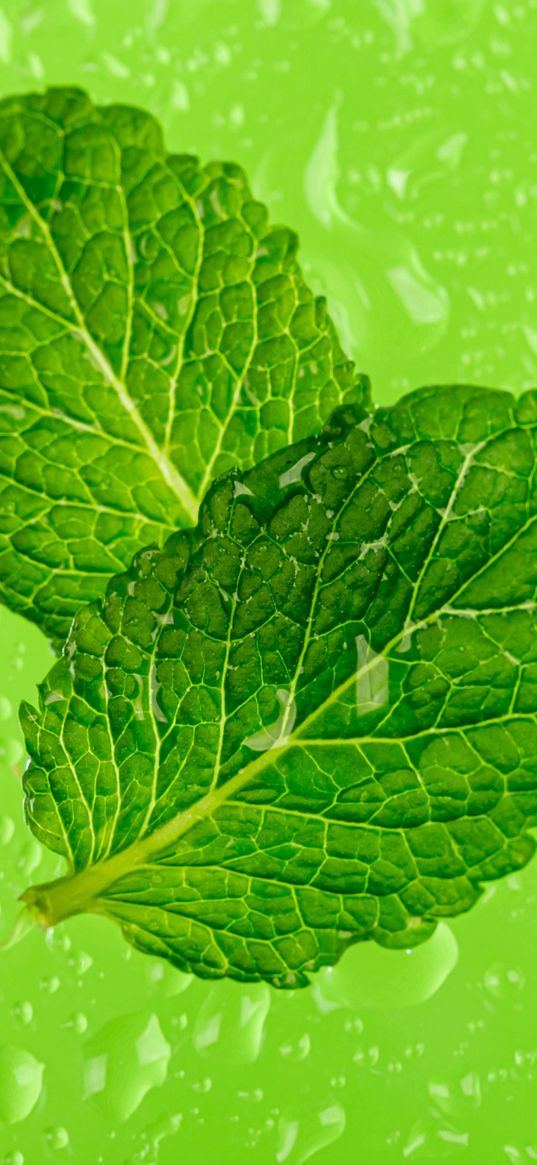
[155, 331]
[312, 720]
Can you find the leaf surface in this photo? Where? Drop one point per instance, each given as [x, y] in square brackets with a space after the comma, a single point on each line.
[155, 331]
[312, 719]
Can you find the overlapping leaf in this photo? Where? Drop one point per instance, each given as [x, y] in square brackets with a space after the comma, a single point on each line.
[155, 331]
[312, 720]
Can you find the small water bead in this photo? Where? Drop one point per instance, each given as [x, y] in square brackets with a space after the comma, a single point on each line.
[503, 982]
[180, 1021]
[6, 708]
[78, 1022]
[253, 1096]
[23, 1011]
[18, 658]
[57, 1137]
[470, 1086]
[203, 1085]
[81, 962]
[298, 1049]
[14, 1157]
[52, 984]
[21, 1078]
[7, 829]
[441, 1094]
[355, 1025]
[11, 750]
[30, 857]
[58, 940]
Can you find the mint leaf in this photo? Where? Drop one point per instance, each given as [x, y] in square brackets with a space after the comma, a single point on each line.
[155, 331]
[312, 720]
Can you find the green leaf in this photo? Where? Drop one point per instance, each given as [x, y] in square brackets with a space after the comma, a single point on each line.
[312, 720]
[155, 331]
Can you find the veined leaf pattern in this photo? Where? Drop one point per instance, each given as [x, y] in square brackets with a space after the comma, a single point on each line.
[155, 331]
[311, 720]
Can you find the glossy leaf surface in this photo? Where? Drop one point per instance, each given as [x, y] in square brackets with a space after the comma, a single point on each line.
[155, 331]
[312, 720]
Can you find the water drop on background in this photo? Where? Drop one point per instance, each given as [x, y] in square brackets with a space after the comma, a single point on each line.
[56, 1137]
[21, 1078]
[230, 1023]
[369, 976]
[124, 1060]
[6, 708]
[301, 1139]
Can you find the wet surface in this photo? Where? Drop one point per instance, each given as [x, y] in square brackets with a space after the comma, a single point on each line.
[399, 142]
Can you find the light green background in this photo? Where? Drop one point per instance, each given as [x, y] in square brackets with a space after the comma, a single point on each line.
[398, 138]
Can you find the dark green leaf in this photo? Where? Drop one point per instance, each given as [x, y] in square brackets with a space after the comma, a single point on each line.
[155, 331]
[312, 720]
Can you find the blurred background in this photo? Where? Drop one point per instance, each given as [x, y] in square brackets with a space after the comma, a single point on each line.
[397, 137]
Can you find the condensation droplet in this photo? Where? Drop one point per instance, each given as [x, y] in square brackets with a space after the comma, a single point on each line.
[78, 1021]
[57, 1137]
[276, 734]
[6, 708]
[294, 473]
[7, 829]
[368, 976]
[124, 1061]
[371, 677]
[21, 1078]
[11, 750]
[301, 1139]
[23, 1012]
[230, 1023]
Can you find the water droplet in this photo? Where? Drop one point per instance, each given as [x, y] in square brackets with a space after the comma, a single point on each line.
[23, 1012]
[294, 473]
[6, 709]
[503, 982]
[368, 976]
[11, 750]
[79, 1022]
[126, 1059]
[371, 677]
[31, 857]
[51, 985]
[81, 962]
[298, 1140]
[170, 981]
[21, 1078]
[296, 1049]
[203, 1085]
[240, 488]
[15, 1157]
[7, 829]
[57, 1137]
[276, 734]
[230, 1023]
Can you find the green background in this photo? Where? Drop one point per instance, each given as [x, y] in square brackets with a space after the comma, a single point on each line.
[397, 137]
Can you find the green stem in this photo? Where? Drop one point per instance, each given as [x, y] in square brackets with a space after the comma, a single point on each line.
[77, 893]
